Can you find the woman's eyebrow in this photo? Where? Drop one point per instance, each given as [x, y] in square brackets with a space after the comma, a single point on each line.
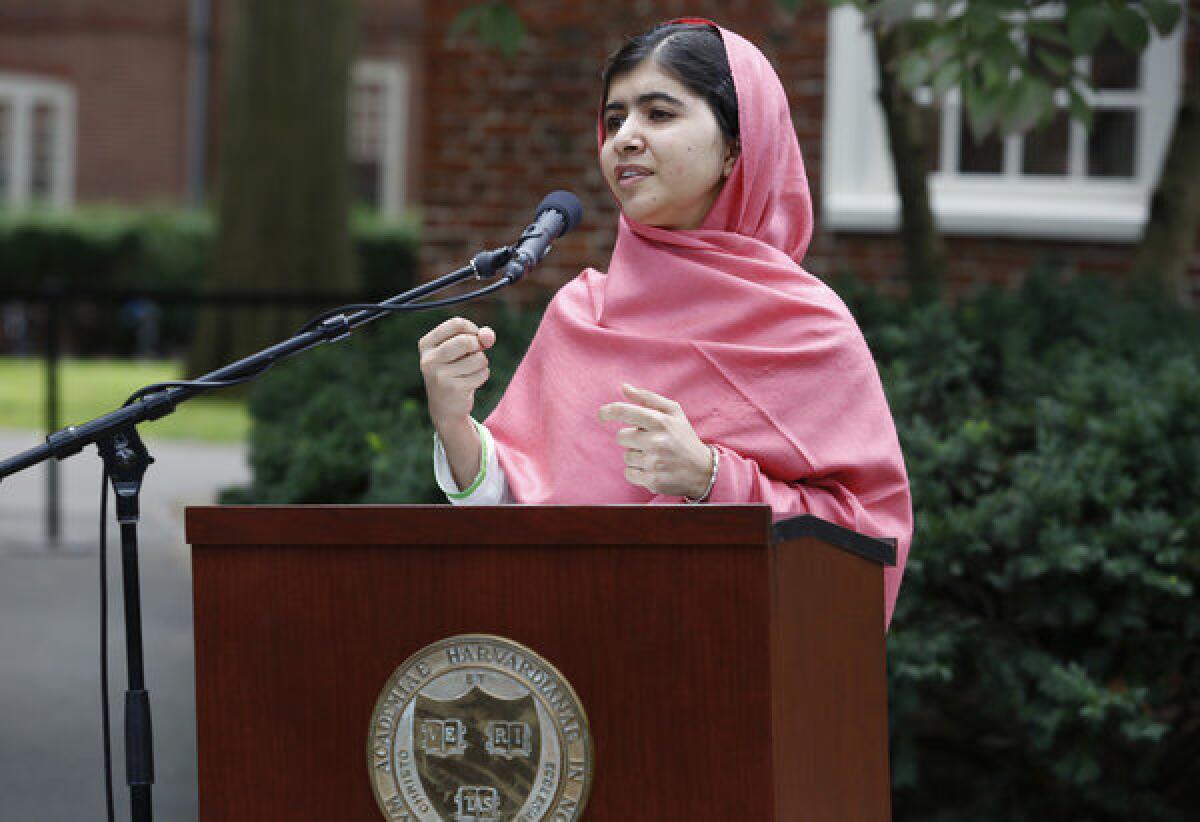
[648, 97]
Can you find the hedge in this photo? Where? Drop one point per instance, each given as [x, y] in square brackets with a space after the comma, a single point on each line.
[1044, 657]
[123, 250]
[126, 249]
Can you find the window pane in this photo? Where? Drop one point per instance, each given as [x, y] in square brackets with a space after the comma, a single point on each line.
[1111, 145]
[1045, 149]
[986, 157]
[5, 151]
[367, 124]
[41, 178]
[364, 183]
[366, 119]
[1114, 67]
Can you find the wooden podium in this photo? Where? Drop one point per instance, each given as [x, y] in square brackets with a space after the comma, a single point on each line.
[731, 670]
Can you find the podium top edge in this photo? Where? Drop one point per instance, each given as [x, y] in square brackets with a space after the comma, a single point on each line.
[875, 549]
[364, 525]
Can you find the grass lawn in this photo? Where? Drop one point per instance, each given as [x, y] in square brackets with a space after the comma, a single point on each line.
[89, 388]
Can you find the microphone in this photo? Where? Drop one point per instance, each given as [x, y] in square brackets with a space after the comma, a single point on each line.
[560, 212]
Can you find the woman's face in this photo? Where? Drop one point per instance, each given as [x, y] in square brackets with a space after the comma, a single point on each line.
[664, 156]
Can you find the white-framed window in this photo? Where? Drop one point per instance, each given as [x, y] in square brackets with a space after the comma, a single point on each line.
[37, 142]
[378, 123]
[1058, 182]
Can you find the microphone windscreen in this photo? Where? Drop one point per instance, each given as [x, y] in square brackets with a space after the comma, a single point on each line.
[566, 204]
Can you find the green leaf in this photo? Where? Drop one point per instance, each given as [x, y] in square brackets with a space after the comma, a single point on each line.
[1164, 14]
[914, 70]
[467, 19]
[1086, 23]
[1131, 30]
[983, 109]
[942, 47]
[1001, 52]
[1054, 61]
[980, 20]
[496, 25]
[507, 30]
[946, 77]
[1026, 102]
[993, 72]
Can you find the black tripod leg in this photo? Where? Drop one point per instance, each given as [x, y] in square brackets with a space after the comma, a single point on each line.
[126, 459]
[139, 737]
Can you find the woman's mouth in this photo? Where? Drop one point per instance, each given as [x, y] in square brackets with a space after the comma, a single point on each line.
[631, 175]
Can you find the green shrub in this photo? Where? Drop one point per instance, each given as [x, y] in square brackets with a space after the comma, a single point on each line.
[386, 252]
[1045, 651]
[104, 248]
[113, 249]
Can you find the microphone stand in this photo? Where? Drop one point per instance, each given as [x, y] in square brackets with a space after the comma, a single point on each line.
[126, 459]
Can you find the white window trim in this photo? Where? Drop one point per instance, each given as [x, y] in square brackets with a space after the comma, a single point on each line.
[858, 183]
[24, 92]
[392, 77]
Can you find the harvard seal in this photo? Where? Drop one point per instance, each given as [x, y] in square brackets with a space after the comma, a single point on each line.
[479, 729]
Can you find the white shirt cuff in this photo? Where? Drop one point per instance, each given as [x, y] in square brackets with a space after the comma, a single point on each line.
[490, 486]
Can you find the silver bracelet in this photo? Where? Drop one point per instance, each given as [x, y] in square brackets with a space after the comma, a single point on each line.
[716, 461]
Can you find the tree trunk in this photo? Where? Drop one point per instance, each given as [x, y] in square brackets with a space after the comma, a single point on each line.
[283, 195]
[1161, 260]
[924, 249]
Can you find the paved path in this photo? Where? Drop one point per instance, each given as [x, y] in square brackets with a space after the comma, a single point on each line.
[50, 741]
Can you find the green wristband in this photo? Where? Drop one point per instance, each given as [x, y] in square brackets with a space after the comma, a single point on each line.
[483, 462]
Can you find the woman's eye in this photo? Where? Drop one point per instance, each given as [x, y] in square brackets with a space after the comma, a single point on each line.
[661, 114]
[612, 123]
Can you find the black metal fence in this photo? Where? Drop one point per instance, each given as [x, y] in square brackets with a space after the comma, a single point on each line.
[152, 323]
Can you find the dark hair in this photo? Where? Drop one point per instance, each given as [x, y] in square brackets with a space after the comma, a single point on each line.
[695, 54]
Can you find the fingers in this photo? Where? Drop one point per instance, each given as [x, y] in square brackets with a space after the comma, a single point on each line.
[474, 380]
[635, 438]
[644, 418]
[450, 328]
[456, 348]
[454, 366]
[464, 366]
[649, 399]
[462, 350]
[455, 338]
[657, 440]
[639, 460]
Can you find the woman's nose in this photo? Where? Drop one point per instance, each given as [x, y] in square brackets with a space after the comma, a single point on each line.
[628, 138]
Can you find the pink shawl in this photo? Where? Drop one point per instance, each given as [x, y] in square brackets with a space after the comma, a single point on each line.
[764, 358]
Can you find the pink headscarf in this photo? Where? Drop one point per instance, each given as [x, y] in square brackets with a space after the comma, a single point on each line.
[764, 358]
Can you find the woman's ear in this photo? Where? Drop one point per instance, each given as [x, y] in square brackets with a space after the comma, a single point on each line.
[732, 152]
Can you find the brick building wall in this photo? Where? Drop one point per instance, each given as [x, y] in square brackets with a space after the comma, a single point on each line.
[500, 134]
[128, 64]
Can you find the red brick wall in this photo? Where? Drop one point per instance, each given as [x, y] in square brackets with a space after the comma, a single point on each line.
[127, 64]
[500, 134]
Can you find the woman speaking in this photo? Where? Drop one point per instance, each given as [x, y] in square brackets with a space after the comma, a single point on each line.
[705, 365]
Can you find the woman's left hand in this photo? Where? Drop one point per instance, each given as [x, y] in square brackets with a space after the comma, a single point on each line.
[662, 452]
